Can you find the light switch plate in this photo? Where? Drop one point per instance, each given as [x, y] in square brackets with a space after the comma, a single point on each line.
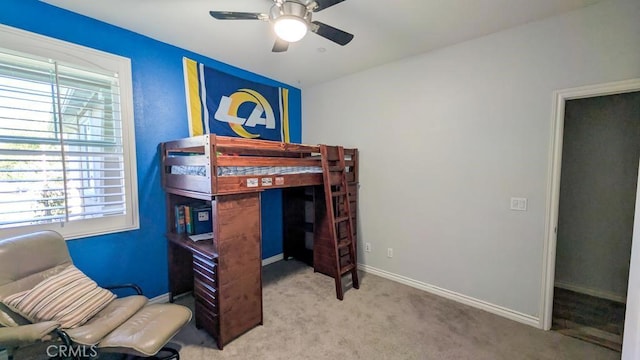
[519, 204]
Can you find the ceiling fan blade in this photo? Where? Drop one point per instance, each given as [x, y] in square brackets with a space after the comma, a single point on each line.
[280, 45]
[323, 4]
[232, 15]
[329, 32]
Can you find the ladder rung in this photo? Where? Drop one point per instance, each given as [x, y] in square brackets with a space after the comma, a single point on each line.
[341, 219]
[343, 238]
[344, 243]
[336, 168]
[346, 269]
[339, 193]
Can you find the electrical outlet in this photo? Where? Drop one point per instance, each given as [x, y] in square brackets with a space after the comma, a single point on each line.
[367, 247]
[389, 252]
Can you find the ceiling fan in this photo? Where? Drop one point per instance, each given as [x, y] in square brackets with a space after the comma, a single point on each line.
[292, 20]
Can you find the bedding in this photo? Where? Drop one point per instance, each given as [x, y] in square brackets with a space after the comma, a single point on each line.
[246, 170]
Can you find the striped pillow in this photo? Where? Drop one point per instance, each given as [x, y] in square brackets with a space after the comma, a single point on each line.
[69, 297]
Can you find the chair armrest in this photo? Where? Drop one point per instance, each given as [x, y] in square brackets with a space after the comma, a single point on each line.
[26, 334]
[135, 287]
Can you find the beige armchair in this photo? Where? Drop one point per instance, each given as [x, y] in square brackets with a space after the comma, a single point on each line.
[38, 265]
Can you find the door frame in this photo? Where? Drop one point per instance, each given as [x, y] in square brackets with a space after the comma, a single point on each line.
[560, 98]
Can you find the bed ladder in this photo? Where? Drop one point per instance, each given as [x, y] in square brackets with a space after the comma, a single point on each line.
[339, 213]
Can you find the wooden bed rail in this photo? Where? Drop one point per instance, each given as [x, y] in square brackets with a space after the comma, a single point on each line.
[211, 151]
[240, 146]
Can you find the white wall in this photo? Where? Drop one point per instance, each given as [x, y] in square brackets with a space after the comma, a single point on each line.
[446, 138]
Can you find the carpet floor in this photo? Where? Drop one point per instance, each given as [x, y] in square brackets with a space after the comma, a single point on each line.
[381, 320]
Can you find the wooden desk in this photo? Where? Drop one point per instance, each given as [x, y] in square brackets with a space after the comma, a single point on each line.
[225, 273]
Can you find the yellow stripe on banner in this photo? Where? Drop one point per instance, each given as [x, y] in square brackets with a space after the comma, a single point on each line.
[285, 114]
[194, 105]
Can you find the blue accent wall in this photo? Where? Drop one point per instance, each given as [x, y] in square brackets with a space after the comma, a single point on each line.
[160, 115]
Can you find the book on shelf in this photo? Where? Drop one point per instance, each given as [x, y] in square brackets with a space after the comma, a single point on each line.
[193, 219]
[179, 219]
[201, 219]
[187, 219]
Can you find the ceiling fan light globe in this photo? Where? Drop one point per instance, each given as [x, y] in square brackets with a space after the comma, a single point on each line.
[290, 28]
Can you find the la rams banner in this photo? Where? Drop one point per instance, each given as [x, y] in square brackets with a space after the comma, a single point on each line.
[223, 104]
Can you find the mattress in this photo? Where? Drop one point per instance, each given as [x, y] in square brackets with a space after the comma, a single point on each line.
[246, 170]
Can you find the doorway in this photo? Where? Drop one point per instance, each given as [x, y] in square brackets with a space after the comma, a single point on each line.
[553, 202]
[599, 176]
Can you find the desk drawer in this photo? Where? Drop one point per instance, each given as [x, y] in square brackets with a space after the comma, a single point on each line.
[205, 292]
[207, 304]
[207, 319]
[205, 266]
[205, 276]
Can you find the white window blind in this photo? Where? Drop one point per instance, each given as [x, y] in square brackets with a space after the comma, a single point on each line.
[63, 147]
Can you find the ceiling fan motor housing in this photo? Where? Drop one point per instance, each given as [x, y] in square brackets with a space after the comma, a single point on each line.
[292, 9]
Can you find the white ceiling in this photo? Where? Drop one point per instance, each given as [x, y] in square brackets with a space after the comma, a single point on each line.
[384, 30]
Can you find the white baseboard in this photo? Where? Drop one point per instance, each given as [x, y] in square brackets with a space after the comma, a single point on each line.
[597, 293]
[451, 295]
[160, 299]
[271, 260]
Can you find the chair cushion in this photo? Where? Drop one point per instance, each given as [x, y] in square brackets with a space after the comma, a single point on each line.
[146, 332]
[69, 297]
[26, 260]
[109, 318]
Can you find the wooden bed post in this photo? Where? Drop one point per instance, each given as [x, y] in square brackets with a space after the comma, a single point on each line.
[211, 152]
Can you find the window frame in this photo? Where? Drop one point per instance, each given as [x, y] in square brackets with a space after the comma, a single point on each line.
[81, 56]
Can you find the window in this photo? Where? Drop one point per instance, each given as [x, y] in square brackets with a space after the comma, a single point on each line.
[67, 158]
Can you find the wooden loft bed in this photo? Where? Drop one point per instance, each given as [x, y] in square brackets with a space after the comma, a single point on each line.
[227, 175]
[209, 165]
